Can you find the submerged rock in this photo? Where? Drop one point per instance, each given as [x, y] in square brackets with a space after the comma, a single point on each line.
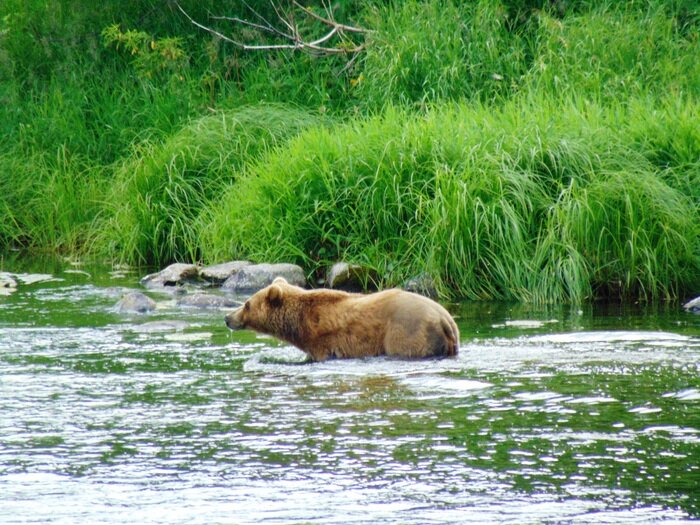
[33, 278]
[693, 305]
[350, 277]
[135, 302]
[171, 276]
[7, 284]
[6, 281]
[218, 273]
[254, 277]
[422, 284]
[204, 300]
[160, 326]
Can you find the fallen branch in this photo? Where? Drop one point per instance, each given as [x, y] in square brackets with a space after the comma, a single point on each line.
[292, 36]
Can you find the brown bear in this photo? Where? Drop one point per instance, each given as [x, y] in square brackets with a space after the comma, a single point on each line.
[333, 324]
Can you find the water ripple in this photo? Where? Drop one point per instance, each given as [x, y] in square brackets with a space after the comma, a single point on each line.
[114, 423]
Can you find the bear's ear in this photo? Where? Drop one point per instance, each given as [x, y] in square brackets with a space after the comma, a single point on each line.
[274, 296]
[280, 280]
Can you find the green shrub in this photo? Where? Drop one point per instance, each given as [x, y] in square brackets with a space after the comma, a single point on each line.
[613, 52]
[48, 204]
[158, 193]
[429, 51]
[529, 202]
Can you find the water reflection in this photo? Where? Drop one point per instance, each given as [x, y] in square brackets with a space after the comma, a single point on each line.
[576, 421]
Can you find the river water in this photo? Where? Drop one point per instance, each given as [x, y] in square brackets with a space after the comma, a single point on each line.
[548, 415]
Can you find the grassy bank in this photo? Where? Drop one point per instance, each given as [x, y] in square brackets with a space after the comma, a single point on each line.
[538, 151]
[154, 202]
[534, 201]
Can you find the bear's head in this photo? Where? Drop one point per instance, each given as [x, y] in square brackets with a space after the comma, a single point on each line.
[259, 311]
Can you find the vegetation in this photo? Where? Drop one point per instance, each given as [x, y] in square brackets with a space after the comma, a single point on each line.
[525, 202]
[539, 151]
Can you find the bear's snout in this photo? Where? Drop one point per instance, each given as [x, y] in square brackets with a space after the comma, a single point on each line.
[233, 320]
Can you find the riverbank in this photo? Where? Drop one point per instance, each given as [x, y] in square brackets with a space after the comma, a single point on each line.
[539, 154]
[558, 412]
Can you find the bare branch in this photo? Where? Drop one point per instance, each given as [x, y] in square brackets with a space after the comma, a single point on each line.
[294, 40]
[330, 21]
[269, 29]
[259, 16]
[212, 31]
[283, 19]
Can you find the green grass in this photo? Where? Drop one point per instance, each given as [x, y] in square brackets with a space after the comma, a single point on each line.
[490, 50]
[538, 151]
[48, 203]
[430, 51]
[533, 202]
[157, 195]
[614, 52]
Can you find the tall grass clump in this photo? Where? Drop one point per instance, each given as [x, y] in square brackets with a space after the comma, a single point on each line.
[491, 50]
[667, 135]
[424, 52]
[615, 51]
[158, 193]
[635, 237]
[48, 203]
[538, 203]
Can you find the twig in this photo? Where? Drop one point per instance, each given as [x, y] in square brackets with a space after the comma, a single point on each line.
[317, 47]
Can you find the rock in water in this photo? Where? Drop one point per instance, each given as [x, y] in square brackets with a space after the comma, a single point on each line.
[204, 300]
[6, 281]
[135, 302]
[422, 284]
[693, 306]
[218, 273]
[7, 284]
[254, 277]
[171, 276]
[349, 277]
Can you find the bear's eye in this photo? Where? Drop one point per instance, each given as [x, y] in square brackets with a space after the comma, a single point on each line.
[246, 307]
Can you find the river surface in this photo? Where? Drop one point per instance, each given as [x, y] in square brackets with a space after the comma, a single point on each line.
[548, 415]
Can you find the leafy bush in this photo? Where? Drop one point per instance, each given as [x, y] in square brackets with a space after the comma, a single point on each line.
[430, 51]
[529, 202]
[158, 193]
[613, 52]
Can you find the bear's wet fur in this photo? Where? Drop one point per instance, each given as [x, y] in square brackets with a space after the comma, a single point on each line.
[334, 324]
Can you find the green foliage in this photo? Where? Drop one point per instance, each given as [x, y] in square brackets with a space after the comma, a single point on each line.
[48, 203]
[429, 51]
[540, 150]
[158, 193]
[150, 55]
[521, 203]
[611, 53]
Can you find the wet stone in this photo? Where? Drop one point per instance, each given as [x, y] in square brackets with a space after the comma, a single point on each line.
[173, 275]
[349, 277]
[218, 273]
[422, 284]
[693, 305]
[6, 281]
[254, 277]
[203, 300]
[135, 302]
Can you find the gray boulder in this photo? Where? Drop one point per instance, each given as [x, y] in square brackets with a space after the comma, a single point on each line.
[173, 275]
[135, 302]
[218, 273]
[7, 284]
[205, 300]
[350, 277]
[422, 284]
[6, 281]
[254, 277]
[160, 326]
[693, 305]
